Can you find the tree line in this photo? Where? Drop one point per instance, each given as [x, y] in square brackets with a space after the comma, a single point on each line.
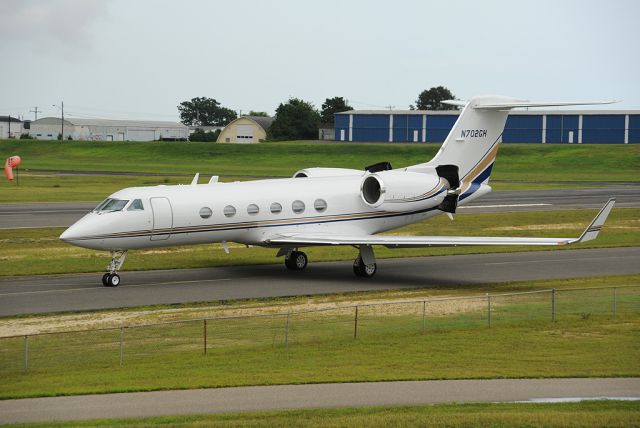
[294, 120]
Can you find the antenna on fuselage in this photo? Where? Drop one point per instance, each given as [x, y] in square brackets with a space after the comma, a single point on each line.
[195, 179]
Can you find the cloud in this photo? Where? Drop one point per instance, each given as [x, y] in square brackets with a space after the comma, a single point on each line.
[53, 27]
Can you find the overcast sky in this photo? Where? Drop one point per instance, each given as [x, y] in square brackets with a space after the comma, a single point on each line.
[140, 59]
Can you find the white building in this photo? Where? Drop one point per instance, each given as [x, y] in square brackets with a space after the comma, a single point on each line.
[11, 127]
[49, 128]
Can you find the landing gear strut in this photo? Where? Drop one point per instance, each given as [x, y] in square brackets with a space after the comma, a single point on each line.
[365, 264]
[111, 278]
[296, 260]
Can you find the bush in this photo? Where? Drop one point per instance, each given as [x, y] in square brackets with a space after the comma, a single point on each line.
[200, 135]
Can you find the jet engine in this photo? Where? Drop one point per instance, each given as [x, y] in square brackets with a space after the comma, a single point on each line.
[326, 172]
[391, 188]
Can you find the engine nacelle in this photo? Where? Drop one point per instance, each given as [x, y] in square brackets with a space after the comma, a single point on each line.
[393, 188]
[326, 172]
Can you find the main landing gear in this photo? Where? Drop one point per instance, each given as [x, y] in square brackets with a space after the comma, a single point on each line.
[364, 265]
[111, 278]
[295, 260]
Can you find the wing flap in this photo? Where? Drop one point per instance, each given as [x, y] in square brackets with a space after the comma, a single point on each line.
[313, 239]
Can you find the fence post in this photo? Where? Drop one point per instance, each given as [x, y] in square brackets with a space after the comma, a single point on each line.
[121, 344]
[204, 336]
[614, 302]
[286, 331]
[489, 309]
[553, 305]
[26, 353]
[355, 324]
[424, 316]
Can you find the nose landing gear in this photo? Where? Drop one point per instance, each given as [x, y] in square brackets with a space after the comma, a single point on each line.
[111, 278]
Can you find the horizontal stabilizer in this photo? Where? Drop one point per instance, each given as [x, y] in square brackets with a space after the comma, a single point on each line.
[312, 239]
[514, 103]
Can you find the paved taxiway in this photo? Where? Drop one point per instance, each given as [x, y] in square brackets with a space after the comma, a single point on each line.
[64, 214]
[39, 294]
[256, 398]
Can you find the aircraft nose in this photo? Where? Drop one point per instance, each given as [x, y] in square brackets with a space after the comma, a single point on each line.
[70, 234]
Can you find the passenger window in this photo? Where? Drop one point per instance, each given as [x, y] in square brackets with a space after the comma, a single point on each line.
[229, 211]
[253, 209]
[205, 212]
[320, 205]
[297, 207]
[136, 205]
[276, 208]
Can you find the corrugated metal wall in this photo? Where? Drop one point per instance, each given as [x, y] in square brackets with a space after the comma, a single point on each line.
[523, 129]
[634, 128]
[557, 128]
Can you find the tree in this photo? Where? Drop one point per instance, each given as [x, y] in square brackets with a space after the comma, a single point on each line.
[258, 113]
[295, 120]
[202, 111]
[432, 99]
[332, 106]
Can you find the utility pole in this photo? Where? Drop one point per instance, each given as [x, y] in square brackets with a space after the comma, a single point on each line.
[35, 110]
[61, 120]
[9, 135]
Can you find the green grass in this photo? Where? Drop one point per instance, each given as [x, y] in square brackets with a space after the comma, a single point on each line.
[496, 415]
[39, 251]
[542, 163]
[321, 348]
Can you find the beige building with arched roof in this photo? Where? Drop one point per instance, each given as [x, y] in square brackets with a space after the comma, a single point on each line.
[246, 130]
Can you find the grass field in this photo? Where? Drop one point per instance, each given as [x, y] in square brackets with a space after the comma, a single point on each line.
[321, 348]
[567, 415]
[39, 251]
[394, 341]
[542, 163]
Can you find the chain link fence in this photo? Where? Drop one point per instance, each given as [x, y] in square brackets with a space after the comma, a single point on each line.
[129, 344]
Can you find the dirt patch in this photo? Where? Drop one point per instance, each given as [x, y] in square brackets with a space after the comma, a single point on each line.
[107, 319]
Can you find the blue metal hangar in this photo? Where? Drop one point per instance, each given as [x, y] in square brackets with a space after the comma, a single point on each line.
[539, 126]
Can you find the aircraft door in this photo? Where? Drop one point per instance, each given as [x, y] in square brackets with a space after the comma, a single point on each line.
[162, 219]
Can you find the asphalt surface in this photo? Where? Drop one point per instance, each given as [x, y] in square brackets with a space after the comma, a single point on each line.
[40, 294]
[64, 214]
[256, 398]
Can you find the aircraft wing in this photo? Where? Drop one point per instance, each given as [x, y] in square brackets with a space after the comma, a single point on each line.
[394, 241]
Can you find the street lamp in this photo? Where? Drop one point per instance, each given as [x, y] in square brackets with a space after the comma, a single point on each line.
[62, 120]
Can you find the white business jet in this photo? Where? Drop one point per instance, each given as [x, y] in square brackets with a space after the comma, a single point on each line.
[319, 206]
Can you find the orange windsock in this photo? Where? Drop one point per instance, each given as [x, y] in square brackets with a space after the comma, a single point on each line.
[10, 163]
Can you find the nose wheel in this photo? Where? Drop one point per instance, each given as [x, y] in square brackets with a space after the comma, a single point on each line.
[111, 278]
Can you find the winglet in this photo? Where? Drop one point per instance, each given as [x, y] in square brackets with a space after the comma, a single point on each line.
[592, 231]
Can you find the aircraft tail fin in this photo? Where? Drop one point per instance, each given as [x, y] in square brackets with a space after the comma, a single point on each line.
[472, 143]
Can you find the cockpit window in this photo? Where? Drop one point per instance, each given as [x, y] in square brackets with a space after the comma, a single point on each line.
[110, 205]
[136, 205]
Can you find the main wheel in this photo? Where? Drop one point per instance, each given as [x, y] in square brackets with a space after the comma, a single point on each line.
[105, 279]
[296, 260]
[362, 270]
[114, 280]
